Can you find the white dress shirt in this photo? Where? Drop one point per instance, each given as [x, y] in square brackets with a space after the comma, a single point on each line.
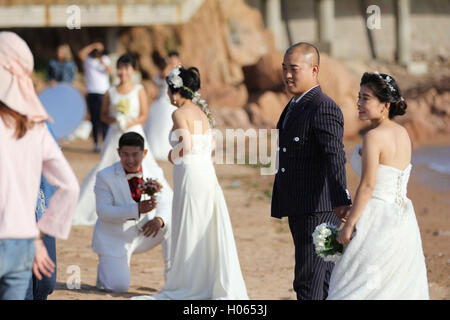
[299, 98]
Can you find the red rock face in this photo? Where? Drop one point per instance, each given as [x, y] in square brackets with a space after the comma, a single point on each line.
[428, 112]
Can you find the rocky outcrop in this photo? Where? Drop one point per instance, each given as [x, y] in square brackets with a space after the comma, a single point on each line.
[342, 86]
[231, 118]
[220, 39]
[428, 111]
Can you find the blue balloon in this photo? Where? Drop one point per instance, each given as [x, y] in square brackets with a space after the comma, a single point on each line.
[67, 107]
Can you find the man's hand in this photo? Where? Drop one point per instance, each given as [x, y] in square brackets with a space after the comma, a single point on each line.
[147, 205]
[42, 262]
[342, 212]
[99, 46]
[152, 227]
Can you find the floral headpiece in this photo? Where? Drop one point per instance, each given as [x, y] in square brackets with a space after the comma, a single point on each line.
[388, 81]
[174, 78]
[177, 82]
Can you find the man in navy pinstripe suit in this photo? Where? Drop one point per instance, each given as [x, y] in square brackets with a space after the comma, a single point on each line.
[310, 182]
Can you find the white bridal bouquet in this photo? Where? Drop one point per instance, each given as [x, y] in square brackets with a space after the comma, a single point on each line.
[326, 244]
[122, 118]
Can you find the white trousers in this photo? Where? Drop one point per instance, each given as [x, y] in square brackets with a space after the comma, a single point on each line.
[114, 272]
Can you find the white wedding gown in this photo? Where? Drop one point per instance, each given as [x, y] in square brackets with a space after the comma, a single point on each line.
[85, 211]
[205, 263]
[385, 258]
[159, 122]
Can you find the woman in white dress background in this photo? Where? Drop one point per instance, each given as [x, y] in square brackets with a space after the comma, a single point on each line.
[205, 263]
[159, 122]
[384, 259]
[124, 108]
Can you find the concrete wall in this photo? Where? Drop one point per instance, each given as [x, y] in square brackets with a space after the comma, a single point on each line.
[96, 13]
[430, 28]
[430, 25]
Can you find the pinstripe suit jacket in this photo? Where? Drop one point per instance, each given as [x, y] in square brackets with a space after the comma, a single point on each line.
[311, 170]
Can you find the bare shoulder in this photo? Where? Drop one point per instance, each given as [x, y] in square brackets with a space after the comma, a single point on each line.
[403, 133]
[393, 130]
[142, 90]
[179, 114]
[375, 135]
[400, 129]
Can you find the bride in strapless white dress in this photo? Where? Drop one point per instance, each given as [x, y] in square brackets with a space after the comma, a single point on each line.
[205, 263]
[384, 259]
[203, 254]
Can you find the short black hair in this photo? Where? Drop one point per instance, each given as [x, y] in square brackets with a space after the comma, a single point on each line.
[133, 139]
[126, 59]
[95, 53]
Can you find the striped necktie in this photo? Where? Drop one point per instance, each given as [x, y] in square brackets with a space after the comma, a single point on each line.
[289, 110]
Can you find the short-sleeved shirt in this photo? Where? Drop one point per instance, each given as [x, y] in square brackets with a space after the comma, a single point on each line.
[96, 76]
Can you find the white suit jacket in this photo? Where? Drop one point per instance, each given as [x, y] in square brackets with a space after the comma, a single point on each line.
[114, 231]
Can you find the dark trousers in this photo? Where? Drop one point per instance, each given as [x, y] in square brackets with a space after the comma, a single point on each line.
[312, 274]
[94, 102]
[40, 289]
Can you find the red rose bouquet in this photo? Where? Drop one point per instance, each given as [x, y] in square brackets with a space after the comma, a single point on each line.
[150, 187]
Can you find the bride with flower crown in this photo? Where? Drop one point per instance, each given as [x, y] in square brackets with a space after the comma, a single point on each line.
[203, 254]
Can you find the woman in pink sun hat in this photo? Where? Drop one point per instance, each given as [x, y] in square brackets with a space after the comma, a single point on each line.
[27, 150]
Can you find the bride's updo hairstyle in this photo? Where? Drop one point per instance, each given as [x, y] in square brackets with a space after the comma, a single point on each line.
[385, 88]
[191, 82]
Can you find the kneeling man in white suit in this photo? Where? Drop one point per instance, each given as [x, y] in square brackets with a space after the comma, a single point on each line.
[126, 224]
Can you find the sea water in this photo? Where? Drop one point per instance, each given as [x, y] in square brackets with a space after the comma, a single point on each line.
[432, 166]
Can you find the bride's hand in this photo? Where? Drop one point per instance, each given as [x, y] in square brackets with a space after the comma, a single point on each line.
[345, 235]
[129, 124]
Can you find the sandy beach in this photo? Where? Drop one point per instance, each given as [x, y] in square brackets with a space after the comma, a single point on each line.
[264, 244]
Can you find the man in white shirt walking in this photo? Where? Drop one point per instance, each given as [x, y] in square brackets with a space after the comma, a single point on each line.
[96, 72]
